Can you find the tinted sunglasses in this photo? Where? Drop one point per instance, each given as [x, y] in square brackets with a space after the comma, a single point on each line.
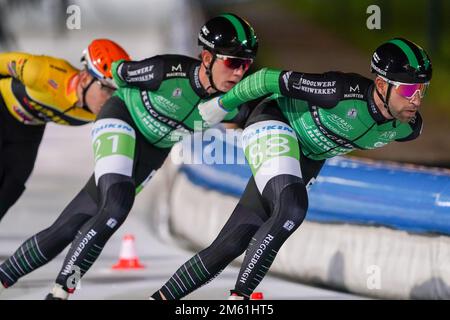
[235, 62]
[408, 90]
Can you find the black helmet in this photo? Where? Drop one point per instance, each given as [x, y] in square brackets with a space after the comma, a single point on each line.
[229, 34]
[403, 61]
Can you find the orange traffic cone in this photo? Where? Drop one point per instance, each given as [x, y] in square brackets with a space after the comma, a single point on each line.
[257, 296]
[128, 258]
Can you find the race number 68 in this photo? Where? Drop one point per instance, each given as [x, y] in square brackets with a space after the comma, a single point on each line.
[263, 150]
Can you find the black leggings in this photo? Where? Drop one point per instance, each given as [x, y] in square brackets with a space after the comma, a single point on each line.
[260, 224]
[91, 217]
[19, 144]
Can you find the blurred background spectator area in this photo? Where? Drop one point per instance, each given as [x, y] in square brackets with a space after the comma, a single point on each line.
[302, 35]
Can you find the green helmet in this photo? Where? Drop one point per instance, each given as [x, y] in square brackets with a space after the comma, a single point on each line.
[229, 34]
[402, 60]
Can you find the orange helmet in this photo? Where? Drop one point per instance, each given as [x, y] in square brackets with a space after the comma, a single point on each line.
[99, 56]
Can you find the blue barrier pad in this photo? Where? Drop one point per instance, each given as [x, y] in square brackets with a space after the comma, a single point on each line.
[355, 191]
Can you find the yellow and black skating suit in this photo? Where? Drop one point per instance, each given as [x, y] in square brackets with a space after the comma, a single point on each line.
[40, 89]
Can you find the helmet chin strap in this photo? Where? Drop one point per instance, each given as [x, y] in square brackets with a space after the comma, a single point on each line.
[208, 71]
[83, 97]
[386, 101]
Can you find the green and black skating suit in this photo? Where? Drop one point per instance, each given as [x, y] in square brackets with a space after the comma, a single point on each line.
[309, 118]
[331, 113]
[162, 94]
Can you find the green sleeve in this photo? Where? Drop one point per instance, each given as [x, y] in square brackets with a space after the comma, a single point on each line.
[261, 83]
[116, 77]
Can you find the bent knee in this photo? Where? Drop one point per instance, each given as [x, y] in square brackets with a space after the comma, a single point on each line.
[291, 205]
[117, 196]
